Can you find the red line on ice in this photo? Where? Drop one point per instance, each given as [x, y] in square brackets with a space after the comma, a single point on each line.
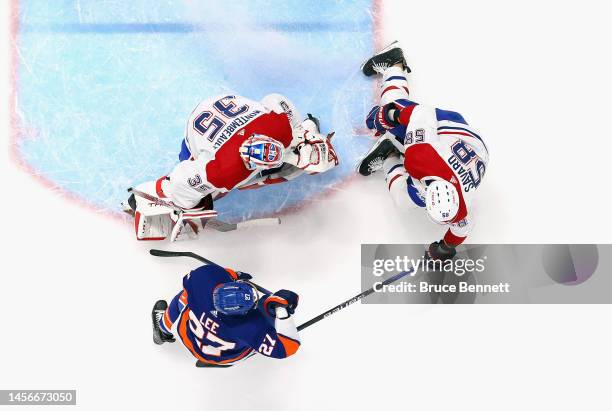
[18, 130]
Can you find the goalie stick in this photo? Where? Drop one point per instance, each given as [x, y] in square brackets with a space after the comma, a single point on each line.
[209, 215]
[341, 306]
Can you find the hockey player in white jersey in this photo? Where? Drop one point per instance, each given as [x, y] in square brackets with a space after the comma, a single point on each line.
[231, 142]
[431, 158]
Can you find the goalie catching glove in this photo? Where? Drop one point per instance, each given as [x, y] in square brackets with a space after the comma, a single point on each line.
[312, 151]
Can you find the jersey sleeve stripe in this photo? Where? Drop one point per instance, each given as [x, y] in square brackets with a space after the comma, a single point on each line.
[232, 273]
[452, 239]
[289, 344]
[396, 78]
[389, 89]
[183, 298]
[395, 177]
[158, 187]
[461, 131]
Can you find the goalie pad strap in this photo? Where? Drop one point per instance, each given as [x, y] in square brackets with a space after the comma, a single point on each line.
[158, 187]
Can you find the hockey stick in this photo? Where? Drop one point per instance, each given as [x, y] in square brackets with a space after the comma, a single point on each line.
[211, 222]
[352, 300]
[341, 306]
[164, 253]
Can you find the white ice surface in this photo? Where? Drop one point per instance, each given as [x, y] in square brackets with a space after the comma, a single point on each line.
[76, 289]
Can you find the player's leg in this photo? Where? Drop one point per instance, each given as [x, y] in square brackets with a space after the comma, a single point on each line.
[402, 190]
[394, 87]
[164, 317]
[391, 65]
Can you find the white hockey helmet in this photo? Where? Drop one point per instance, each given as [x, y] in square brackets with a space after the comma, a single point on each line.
[441, 201]
[261, 152]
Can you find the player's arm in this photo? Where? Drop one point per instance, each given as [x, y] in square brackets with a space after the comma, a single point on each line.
[457, 232]
[187, 184]
[421, 122]
[390, 115]
[286, 172]
[282, 340]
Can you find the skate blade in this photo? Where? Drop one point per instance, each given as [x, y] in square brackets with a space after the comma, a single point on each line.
[392, 45]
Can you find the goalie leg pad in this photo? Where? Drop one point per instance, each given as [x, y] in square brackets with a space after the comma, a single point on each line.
[152, 227]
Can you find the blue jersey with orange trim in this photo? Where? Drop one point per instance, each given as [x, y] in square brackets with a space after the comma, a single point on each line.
[220, 339]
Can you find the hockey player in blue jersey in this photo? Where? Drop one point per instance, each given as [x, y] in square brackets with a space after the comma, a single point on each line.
[222, 319]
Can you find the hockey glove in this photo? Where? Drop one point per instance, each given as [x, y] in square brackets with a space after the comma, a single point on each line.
[439, 250]
[244, 276]
[282, 298]
[383, 118]
[371, 121]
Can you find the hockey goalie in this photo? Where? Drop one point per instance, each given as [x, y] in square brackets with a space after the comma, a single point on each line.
[231, 142]
[432, 158]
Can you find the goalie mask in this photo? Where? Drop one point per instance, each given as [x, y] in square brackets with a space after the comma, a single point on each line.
[234, 298]
[441, 201]
[261, 152]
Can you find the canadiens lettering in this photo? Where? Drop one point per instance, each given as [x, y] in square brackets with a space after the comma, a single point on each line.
[229, 129]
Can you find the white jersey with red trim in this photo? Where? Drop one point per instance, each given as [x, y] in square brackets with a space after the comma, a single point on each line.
[440, 144]
[214, 121]
[215, 131]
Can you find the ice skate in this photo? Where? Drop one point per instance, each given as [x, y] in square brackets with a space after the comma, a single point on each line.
[387, 57]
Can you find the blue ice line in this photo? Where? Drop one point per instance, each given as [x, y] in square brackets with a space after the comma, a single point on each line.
[179, 27]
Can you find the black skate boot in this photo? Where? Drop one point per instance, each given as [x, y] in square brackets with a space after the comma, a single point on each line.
[201, 364]
[387, 57]
[160, 337]
[373, 160]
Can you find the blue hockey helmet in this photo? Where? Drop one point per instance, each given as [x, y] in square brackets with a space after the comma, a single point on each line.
[234, 298]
